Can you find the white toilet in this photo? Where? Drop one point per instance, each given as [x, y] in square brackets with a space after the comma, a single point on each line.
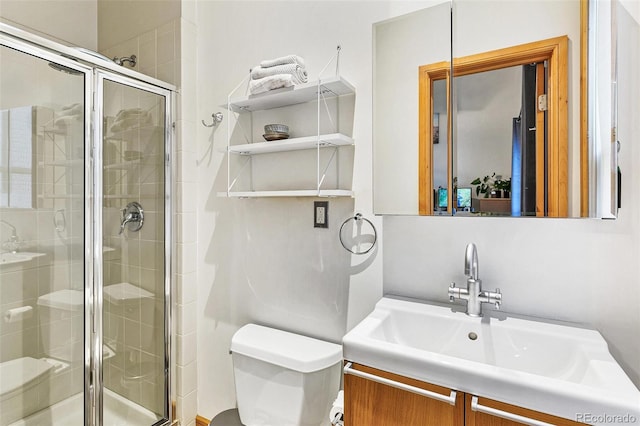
[60, 317]
[284, 379]
[25, 383]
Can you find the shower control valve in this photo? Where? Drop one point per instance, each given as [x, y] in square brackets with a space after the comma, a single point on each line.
[132, 217]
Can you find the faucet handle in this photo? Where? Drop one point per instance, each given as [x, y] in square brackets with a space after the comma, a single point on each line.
[12, 244]
[496, 297]
[453, 291]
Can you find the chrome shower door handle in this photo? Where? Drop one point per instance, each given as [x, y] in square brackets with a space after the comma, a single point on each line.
[132, 217]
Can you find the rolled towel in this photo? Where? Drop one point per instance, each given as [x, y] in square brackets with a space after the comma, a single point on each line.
[299, 74]
[132, 112]
[289, 59]
[270, 83]
[130, 118]
[71, 109]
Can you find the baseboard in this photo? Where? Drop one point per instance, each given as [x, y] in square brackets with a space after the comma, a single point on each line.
[202, 421]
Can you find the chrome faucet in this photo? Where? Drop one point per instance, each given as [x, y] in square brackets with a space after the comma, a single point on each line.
[473, 294]
[13, 243]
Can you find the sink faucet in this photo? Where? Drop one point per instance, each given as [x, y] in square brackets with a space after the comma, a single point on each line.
[473, 294]
[13, 243]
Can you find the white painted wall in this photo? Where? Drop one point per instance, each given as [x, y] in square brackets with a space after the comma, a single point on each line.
[486, 104]
[395, 115]
[72, 22]
[580, 270]
[261, 260]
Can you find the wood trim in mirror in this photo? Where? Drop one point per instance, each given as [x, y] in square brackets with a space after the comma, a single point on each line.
[584, 108]
[427, 75]
[541, 187]
[555, 51]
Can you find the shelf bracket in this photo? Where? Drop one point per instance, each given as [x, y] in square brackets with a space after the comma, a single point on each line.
[324, 172]
[235, 179]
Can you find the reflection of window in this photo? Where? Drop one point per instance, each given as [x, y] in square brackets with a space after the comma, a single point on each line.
[16, 157]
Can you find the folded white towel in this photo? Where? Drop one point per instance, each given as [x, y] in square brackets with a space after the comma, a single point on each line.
[270, 83]
[299, 74]
[130, 118]
[132, 112]
[71, 109]
[289, 59]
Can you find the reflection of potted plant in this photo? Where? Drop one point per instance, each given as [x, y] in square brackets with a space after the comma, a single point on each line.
[503, 185]
[483, 185]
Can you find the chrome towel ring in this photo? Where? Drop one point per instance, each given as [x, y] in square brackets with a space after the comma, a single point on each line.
[358, 220]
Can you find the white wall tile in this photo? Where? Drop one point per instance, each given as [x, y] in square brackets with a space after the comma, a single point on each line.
[186, 318]
[186, 348]
[187, 379]
[187, 287]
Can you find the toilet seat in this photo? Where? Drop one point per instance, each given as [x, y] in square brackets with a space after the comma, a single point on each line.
[19, 374]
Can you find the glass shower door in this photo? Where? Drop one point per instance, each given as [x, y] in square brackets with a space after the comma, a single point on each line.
[135, 265]
[44, 186]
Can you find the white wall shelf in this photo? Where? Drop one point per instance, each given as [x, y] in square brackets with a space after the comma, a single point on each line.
[330, 87]
[318, 92]
[294, 144]
[293, 193]
[62, 163]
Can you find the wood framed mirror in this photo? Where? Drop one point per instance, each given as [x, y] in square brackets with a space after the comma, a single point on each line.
[404, 44]
[544, 192]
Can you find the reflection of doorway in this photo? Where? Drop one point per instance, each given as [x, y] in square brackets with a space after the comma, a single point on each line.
[555, 176]
[529, 146]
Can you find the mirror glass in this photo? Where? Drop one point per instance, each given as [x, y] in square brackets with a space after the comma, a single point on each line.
[473, 122]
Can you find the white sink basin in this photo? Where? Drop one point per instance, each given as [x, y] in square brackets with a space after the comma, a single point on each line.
[21, 256]
[542, 365]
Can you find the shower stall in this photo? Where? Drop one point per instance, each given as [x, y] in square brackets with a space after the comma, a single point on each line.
[85, 247]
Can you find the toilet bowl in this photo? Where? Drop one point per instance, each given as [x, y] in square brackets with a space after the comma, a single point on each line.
[21, 387]
[25, 381]
[284, 379]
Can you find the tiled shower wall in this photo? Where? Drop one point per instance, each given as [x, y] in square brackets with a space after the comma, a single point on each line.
[157, 52]
[185, 188]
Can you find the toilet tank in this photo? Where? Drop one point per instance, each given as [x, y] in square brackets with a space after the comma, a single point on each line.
[284, 378]
[60, 318]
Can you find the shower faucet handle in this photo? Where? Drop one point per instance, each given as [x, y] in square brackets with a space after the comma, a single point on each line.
[132, 217]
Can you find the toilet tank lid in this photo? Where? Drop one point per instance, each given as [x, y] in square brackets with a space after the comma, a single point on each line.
[66, 300]
[292, 351]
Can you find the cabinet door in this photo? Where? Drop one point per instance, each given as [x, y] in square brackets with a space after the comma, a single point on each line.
[474, 417]
[369, 403]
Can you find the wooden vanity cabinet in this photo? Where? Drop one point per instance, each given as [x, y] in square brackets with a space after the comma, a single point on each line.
[478, 418]
[368, 402]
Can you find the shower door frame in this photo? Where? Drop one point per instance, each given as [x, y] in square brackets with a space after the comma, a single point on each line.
[98, 168]
[94, 70]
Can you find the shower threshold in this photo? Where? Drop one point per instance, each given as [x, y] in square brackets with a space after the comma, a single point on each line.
[118, 411]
